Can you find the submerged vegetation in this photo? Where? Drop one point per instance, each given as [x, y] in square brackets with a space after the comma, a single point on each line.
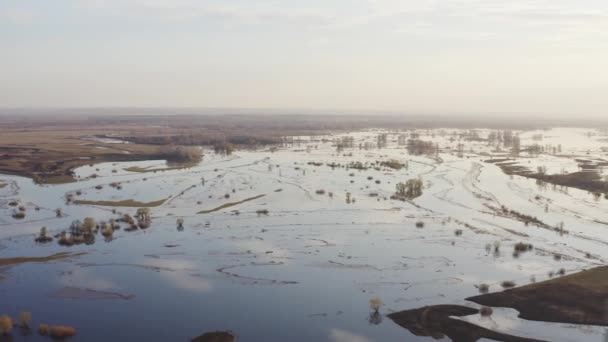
[359, 172]
[408, 190]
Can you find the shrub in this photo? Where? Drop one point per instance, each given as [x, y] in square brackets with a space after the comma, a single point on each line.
[320, 192]
[262, 211]
[375, 304]
[419, 224]
[13, 203]
[61, 331]
[6, 324]
[18, 215]
[522, 247]
[25, 318]
[483, 288]
[458, 232]
[185, 154]
[42, 237]
[43, 329]
[507, 284]
[393, 164]
[107, 230]
[486, 311]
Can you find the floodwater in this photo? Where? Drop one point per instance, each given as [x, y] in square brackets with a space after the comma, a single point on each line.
[307, 270]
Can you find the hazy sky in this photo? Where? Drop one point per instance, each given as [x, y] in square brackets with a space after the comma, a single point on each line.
[544, 57]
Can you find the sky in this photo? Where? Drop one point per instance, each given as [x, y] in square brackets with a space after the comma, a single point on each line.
[525, 57]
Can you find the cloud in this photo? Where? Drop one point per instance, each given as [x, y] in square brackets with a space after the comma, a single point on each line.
[250, 12]
[337, 335]
[182, 274]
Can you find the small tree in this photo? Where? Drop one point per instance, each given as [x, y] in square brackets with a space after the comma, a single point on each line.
[88, 224]
[143, 214]
[6, 324]
[25, 318]
[375, 304]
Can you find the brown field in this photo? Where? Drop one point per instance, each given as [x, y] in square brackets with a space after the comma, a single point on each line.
[48, 156]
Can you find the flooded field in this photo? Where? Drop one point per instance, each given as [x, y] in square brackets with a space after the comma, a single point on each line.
[292, 243]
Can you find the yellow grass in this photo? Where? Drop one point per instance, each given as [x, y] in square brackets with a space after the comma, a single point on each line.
[144, 170]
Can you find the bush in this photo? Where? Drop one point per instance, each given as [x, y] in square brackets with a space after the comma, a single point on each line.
[183, 154]
[60, 332]
[419, 224]
[6, 324]
[375, 304]
[486, 311]
[483, 288]
[43, 329]
[25, 318]
[262, 211]
[507, 284]
[320, 192]
[393, 164]
[522, 247]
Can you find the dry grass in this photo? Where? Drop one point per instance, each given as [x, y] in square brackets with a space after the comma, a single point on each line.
[23, 260]
[145, 170]
[124, 203]
[48, 154]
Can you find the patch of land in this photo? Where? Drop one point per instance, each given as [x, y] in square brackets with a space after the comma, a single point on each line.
[145, 170]
[22, 260]
[588, 180]
[436, 322]
[124, 203]
[229, 204]
[7, 262]
[216, 336]
[580, 298]
[50, 155]
[79, 293]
